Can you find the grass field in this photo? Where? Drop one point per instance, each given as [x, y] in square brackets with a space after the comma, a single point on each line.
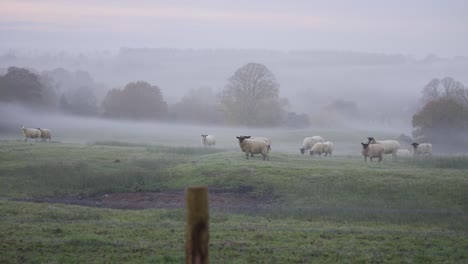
[291, 209]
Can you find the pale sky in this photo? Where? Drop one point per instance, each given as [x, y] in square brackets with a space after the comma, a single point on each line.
[415, 27]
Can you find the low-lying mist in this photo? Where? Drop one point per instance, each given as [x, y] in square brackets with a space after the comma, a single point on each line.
[85, 130]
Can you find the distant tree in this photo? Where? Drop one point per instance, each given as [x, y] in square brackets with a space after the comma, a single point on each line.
[293, 120]
[197, 106]
[343, 108]
[22, 85]
[138, 100]
[443, 118]
[251, 97]
[63, 104]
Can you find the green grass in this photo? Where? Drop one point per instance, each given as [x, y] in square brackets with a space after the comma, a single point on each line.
[336, 209]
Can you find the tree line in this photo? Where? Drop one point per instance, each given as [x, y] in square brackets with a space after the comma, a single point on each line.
[249, 98]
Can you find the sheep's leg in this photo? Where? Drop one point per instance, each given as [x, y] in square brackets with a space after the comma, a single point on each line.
[380, 158]
[370, 159]
[247, 155]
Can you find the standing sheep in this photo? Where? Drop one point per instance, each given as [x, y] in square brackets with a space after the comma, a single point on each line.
[267, 140]
[252, 146]
[403, 153]
[328, 148]
[208, 140]
[317, 148]
[30, 133]
[422, 149]
[309, 142]
[390, 146]
[372, 151]
[45, 134]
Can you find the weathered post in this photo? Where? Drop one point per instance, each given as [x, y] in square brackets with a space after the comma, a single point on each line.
[196, 230]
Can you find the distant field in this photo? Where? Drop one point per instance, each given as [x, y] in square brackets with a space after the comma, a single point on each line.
[291, 209]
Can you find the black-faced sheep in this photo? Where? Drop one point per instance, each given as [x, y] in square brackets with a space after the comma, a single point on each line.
[208, 140]
[309, 142]
[252, 146]
[372, 151]
[30, 133]
[390, 146]
[422, 149]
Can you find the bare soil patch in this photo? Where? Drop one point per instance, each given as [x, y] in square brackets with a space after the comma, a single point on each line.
[145, 200]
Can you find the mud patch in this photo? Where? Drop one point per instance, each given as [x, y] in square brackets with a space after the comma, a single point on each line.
[144, 200]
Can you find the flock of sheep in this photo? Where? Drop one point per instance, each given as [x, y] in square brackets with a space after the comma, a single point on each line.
[37, 133]
[317, 145]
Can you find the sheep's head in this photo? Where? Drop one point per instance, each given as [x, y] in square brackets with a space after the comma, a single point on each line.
[302, 150]
[311, 152]
[242, 138]
[415, 145]
[204, 136]
[371, 140]
[365, 145]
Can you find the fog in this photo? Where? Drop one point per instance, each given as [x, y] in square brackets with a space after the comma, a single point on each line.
[82, 130]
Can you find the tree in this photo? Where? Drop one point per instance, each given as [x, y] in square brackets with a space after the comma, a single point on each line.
[251, 97]
[444, 117]
[83, 101]
[21, 85]
[138, 100]
[441, 120]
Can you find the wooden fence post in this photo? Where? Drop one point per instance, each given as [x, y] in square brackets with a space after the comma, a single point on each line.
[196, 230]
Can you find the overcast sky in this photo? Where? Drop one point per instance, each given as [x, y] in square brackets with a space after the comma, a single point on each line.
[415, 27]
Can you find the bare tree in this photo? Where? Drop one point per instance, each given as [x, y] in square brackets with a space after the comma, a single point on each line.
[431, 91]
[251, 97]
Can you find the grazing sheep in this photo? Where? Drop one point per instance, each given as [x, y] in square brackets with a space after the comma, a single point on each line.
[390, 146]
[328, 150]
[45, 134]
[422, 149]
[208, 140]
[317, 148]
[253, 146]
[403, 153]
[372, 151]
[309, 142]
[30, 133]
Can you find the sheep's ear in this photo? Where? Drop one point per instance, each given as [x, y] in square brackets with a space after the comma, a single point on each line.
[238, 137]
[363, 144]
[247, 136]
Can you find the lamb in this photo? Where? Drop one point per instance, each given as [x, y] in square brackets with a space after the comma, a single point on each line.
[30, 133]
[390, 146]
[372, 151]
[422, 149]
[317, 148]
[404, 153]
[208, 140]
[309, 142]
[328, 148]
[253, 146]
[45, 134]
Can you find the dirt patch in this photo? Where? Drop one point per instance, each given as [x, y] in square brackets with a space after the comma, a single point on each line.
[144, 200]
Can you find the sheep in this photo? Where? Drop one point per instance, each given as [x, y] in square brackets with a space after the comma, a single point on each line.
[328, 148]
[404, 153]
[45, 134]
[390, 146]
[317, 148]
[422, 149]
[208, 140]
[372, 151]
[267, 140]
[30, 133]
[309, 142]
[253, 146]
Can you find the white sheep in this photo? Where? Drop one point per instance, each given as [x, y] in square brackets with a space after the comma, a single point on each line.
[328, 150]
[403, 153]
[267, 140]
[252, 146]
[422, 149]
[208, 140]
[390, 146]
[45, 134]
[309, 142]
[372, 151]
[317, 148]
[30, 133]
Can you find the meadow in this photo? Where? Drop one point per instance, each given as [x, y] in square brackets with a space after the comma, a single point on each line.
[291, 209]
